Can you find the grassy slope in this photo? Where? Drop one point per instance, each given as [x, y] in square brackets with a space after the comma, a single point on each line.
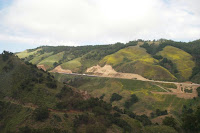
[14, 115]
[148, 101]
[10, 83]
[49, 61]
[19, 113]
[38, 58]
[73, 65]
[182, 59]
[26, 53]
[196, 78]
[136, 60]
[129, 54]
[79, 65]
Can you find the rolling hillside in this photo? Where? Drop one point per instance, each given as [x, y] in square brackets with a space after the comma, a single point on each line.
[148, 100]
[32, 101]
[159, 60]
[137, 60]
[154, 100]
[182, 59]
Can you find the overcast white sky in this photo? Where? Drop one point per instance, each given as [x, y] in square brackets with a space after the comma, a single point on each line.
[30, 23]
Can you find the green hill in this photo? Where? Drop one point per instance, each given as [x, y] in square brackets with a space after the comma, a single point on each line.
[137, 60]
[151, 98]
[182, 59]
[27, 53]
[128, 55]
[32, 101]
[40, 57]
[49, 61]
[148, 101]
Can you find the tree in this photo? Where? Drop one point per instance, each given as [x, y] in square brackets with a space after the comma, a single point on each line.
[41, 113]
[115, 97]
[5, 55]
[55, 64]
[169, 121]
[131, 101]
[198, 91]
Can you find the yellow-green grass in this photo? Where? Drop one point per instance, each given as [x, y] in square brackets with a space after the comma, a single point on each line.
[159, 129]
[168, 85]
[136, 60]
[72, 65]
[87, 63]
[49, 61]
[132, 53]
[135, 124]
[25, 53]
[38, 58]
[182, 59]
[147, 70]
[148, 101]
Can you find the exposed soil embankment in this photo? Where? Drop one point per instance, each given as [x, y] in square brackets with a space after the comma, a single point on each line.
[59, 69]
[108, 71]
[41, 67]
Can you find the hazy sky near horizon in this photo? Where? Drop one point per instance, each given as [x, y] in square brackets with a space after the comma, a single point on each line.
[31, 23]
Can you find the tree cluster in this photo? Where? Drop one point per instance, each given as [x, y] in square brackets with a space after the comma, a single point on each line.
[41, 113]
[115, 97]
[131, 101]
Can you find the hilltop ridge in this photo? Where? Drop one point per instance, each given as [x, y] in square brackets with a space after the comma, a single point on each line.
[150, 59]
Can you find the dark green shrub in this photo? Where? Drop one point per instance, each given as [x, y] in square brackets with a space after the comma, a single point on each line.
[57, 118]
[131, 101]
[159, 112]
[115, 97]
[41, 113]
[51, 85]
[169, 121]
[198, 91]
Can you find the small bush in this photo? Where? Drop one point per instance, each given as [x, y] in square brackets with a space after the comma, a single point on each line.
[131, 101]
[41, 113]
[115, 97]
[169, 121]
[51, 85]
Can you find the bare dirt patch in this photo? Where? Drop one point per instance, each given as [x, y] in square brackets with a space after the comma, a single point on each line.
[108, 71]
[41, 67]
[159, 119]
[180, 91]
[59, 69]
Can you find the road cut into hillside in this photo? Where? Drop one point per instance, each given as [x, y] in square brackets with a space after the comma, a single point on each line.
[187, 90]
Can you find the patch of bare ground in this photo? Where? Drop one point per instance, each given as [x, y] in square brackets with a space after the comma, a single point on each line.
[159, 119]
[180, 91]
[59, 69]
[41, 67]
[145, 111]
[108, 71]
